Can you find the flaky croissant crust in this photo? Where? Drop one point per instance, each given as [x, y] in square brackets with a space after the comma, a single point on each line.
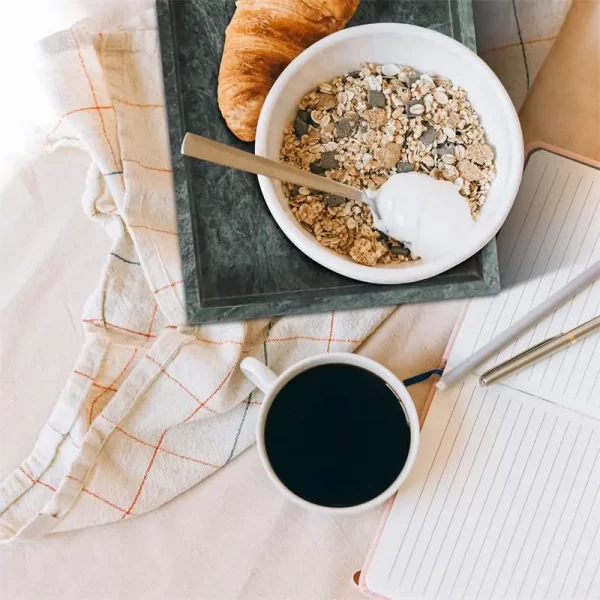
[263, 37]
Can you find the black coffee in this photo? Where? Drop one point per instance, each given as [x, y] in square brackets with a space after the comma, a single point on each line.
[337, 435]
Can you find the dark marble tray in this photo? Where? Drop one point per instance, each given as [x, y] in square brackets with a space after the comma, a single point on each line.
[237, 264]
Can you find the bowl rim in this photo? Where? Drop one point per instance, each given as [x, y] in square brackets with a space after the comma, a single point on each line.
[402, 273]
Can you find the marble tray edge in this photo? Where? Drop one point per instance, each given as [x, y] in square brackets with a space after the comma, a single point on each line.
[181, 175]
[488, 285]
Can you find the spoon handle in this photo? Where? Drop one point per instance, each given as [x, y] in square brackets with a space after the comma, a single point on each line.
[200, 147]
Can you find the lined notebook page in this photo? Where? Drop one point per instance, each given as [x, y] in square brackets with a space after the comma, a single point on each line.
[504, 503]
[551, 236]
[504, 500]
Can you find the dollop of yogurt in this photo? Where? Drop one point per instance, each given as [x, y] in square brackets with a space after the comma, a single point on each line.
[429, 216]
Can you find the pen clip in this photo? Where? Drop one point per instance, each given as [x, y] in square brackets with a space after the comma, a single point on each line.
[484, 376]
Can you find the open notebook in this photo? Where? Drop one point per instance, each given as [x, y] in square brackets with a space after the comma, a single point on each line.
[504, 500]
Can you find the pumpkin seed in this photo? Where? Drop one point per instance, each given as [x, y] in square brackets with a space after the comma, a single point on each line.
[404, 167]
[428, 136]
[375, 98]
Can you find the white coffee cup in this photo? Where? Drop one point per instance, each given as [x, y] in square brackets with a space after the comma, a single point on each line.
[271, 385]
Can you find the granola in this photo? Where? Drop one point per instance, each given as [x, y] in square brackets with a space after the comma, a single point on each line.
[365, 126]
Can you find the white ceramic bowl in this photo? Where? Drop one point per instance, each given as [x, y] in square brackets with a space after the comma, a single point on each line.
[428, 52]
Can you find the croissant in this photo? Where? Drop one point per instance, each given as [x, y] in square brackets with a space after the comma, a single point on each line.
[263, 37]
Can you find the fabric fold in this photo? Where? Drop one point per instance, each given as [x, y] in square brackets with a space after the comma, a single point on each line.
[152, 406]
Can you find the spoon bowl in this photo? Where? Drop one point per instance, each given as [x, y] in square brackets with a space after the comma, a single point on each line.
[426, 51]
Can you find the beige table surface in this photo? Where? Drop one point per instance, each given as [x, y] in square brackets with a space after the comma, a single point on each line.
[233, 536]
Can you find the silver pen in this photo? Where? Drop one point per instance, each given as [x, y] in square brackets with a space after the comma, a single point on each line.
[539, 351]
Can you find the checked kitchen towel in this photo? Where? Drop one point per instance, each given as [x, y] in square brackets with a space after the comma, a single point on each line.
[515, 37]
[152, 407]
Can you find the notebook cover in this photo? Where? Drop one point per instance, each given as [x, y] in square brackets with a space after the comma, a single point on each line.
[362, 581]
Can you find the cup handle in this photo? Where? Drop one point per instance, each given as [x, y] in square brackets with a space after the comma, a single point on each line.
[262, 377]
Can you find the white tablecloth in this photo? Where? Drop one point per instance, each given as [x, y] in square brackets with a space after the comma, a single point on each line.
[232, 536]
